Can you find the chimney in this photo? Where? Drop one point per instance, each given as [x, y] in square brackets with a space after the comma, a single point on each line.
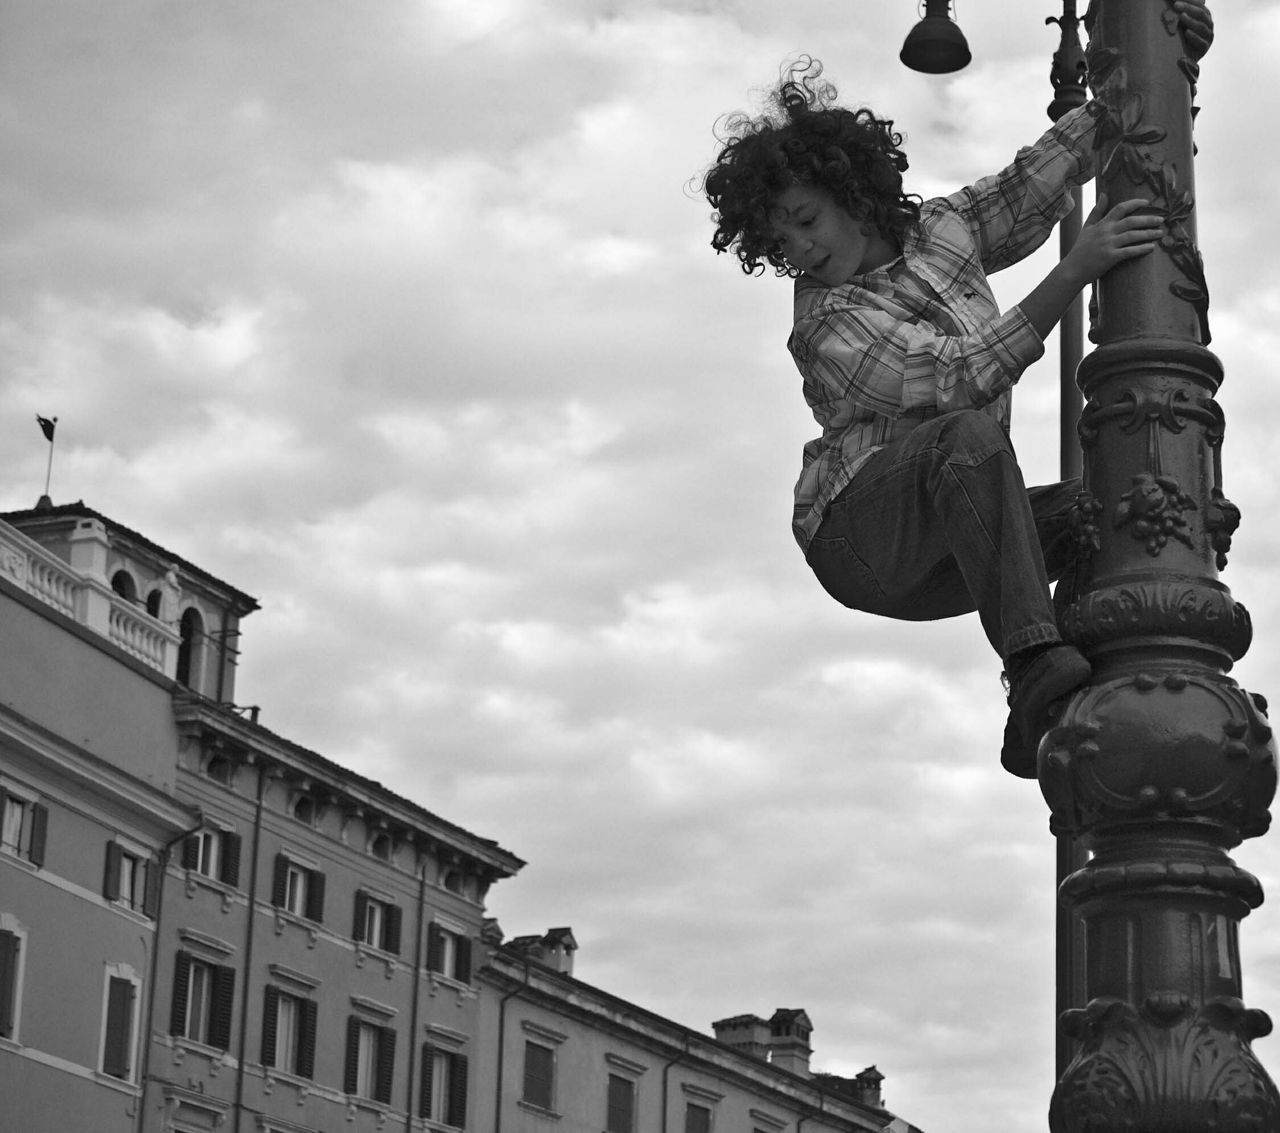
[555, 949]
[867, 1087]
[746, 1033]
[789, 1032]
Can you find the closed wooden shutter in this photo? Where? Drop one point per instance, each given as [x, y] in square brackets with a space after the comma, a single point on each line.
[280, 881]
[111, 875]
[457, 1114]
[462, 962]
[620, 1104]
[153, 872]
[351, 1067]
[307, 1040]
[9, 945]
[181, 988]
[315, 896]
[391, 930]
[224, 990]
[270, 1017]
[385, 1075]
[119, 1030]
[428, 1079]
[361, 917]
[435, 947]
[229, 867]
[39, 833]
[539, 1071]
[191, 853]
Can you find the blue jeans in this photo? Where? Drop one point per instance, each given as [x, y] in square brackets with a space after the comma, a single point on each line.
[940, 523]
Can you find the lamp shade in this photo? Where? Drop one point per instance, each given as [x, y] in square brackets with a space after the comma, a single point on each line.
[936, 45]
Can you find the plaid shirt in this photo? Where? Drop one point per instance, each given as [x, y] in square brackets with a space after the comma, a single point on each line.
[923, 335]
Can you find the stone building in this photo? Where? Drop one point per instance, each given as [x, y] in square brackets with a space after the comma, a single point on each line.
[204, 926]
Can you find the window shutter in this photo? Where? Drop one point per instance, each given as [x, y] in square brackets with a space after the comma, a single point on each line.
[435, 947]
[111, 875]
[151, 889]
[539, 1075]
[229, 868]
[9, 943]
[621, 1092]
[315, 896]
[391, 930]
[462, 965]
[39, 831]
[307, 1040]
[351, 1070]
[224, 990]
[115, 1053]
[428, 1080]
[191, 853]
[270, 1017]
[386, 1065]
[457, 1114]
[181, 986]
[280, 880]
[360, 919]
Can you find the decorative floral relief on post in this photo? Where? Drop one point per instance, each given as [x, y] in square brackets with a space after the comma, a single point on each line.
[1119, 115]
[1166, 1064]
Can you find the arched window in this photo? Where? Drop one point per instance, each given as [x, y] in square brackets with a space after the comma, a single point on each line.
[191, 631]
[153, 603]
[381, 847]
[122, 583]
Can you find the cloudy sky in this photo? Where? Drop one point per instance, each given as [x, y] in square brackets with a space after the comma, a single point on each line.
[402, 317]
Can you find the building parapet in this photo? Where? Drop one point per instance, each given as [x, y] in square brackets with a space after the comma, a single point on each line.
[79, 590]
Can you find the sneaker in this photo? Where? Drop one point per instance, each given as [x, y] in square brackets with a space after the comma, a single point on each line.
[1034, 693]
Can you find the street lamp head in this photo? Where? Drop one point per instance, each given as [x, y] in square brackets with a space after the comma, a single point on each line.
[936, 45]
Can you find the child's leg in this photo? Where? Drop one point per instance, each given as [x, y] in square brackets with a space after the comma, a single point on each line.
[937, 524]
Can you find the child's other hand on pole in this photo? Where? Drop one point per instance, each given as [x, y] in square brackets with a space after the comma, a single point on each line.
[1196, 23]
[1110, 237]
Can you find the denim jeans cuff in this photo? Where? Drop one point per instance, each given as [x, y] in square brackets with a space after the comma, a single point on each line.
[1030, 636]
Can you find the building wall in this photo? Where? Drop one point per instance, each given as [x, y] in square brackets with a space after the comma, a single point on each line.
[72, 936]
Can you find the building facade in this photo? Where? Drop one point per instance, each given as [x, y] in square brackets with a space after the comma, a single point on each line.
[204, 926]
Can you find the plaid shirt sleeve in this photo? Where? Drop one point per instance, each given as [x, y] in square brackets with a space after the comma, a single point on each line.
[1012, 212]
[859, 361]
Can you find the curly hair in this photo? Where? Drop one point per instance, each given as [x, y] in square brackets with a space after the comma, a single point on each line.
[804, 139]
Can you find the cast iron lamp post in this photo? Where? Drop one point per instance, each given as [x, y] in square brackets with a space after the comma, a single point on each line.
[1162, 763]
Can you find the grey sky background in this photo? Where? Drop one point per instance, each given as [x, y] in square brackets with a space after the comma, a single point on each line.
[403, 318]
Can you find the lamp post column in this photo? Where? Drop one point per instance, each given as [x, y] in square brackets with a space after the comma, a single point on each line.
[1162, 763]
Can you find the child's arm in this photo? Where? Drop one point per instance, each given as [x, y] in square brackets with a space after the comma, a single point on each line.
[1107, 239]
[861, 359]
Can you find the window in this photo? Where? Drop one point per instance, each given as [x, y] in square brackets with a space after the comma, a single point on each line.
[298, 890]
[130, 880]
[539, 1075]
[120, 1023]
[620, 1112]
[11, 957]
[214, 853]
[23, 826]
[377, 922]
[289, 1033]
[370, 1064]
[381, 847]
[191, 635]
[444, 1087]
[697, 1118]
[449, 953]
[123, 584]
[203, 994]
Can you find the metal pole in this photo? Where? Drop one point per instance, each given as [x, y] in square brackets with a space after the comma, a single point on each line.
[1162, 763]
[1069, 91]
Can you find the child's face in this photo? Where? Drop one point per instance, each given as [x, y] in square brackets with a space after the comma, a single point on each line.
[819, 236]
